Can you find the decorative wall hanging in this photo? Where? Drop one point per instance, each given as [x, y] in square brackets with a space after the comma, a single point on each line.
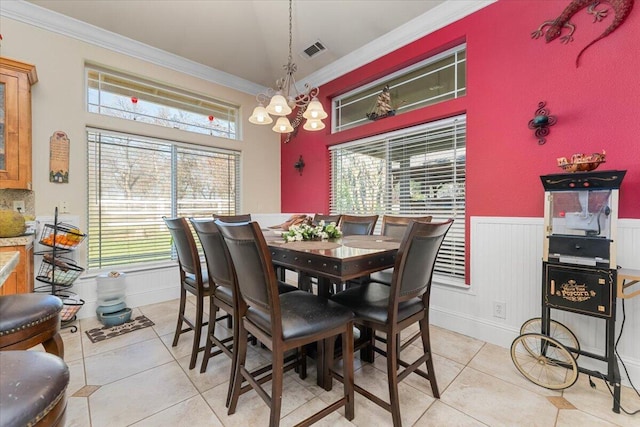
[59, 158]
[541, 122]
[621, 10]
[299, 165]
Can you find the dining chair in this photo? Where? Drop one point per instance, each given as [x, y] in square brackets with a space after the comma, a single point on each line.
[193, 279]
[357, 224]
[282, 322]
[221, 281]
[392, 309]
[328, 219]
[394, 226]
[233, 218]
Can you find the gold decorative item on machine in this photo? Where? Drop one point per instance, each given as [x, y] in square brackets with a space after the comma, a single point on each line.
[582, 162]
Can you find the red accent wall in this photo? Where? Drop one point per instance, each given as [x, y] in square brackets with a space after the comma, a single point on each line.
[508, 73]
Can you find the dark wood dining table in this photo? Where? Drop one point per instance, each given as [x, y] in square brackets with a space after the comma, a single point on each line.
[334, 261]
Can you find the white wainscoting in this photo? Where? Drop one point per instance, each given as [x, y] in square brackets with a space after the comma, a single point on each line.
[506, 267]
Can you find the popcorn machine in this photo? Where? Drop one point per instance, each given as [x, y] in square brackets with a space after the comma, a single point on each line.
[579, 275]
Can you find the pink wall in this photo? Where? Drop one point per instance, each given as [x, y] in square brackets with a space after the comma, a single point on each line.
[508, 73]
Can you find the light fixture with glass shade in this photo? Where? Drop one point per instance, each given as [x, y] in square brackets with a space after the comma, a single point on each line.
[281, 102]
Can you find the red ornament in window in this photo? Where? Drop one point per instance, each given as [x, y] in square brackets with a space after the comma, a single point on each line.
[134, 99]
[211, 118]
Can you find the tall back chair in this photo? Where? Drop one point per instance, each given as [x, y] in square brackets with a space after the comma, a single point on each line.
[357, 224]
[233, 218]
[391, 309]
[192, 279]
[220, 283]
[394, 226]
[328, 219]
[281, 322]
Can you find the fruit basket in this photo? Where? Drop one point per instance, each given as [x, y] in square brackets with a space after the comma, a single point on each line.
[63, 236]
[60, 272]
[71, 304]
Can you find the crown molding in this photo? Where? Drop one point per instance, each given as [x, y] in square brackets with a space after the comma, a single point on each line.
[436, 18]
[427, 23]
[40, 17]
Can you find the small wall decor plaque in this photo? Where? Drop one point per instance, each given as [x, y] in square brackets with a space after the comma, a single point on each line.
[59, 158]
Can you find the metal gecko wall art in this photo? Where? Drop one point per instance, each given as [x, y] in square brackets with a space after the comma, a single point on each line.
[621, 10]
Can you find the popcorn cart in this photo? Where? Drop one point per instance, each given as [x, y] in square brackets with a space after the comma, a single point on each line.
[579, 275]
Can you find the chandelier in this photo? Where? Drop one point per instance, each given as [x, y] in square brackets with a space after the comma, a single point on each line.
[282, 101]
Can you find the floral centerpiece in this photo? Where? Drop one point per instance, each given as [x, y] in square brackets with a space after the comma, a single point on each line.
[306, 231]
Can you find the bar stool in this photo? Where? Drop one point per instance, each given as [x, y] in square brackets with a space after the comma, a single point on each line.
[27, 320]
[32, 389]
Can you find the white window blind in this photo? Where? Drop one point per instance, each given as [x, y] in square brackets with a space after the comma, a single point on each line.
[416, 171]
[134, 181]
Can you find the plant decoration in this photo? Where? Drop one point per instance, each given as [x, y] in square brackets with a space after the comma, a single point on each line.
[306, 231]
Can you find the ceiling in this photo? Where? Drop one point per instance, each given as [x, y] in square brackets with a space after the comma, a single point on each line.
[249, 38]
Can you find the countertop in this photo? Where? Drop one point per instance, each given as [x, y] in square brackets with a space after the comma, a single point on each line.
[8, 262]
[17, 241]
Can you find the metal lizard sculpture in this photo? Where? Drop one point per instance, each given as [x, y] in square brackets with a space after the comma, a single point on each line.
[621, 9]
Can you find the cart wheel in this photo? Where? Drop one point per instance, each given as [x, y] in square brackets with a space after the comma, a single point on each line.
[557, 331]
[544, 361]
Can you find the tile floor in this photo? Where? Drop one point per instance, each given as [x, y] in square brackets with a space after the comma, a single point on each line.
[138, 379]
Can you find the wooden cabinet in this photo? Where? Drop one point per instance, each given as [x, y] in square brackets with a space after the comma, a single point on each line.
[21, 280]
[16, 79]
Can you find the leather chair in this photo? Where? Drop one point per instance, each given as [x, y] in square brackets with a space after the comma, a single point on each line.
[391, 309]
[394, 226]
[193, 279]
[33, 388]
[233, 218]
[357, 224]
[27, 320]
[221, 281]
[328, 219]
[282, 322]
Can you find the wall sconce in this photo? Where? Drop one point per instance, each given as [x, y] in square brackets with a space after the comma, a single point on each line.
[299, 165]
[541, 122]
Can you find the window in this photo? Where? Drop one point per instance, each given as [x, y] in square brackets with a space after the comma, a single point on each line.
[132, 98]
[416, 171]
[434, 80]
[134, 181]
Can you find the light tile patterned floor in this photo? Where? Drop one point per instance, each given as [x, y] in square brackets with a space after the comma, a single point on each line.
[138, 379]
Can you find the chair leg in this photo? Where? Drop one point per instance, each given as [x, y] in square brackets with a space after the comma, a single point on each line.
[239, 358]
[347, 372]
[392, 373]
[197, 333]
[210, 331]
[54, 345]
[277, 377]
[426, 346]
[234, 359]
[183, 303]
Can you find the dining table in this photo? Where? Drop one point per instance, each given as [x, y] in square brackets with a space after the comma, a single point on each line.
[334, 261]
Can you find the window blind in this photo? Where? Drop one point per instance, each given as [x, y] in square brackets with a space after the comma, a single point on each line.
[134, 181]
[416, 171]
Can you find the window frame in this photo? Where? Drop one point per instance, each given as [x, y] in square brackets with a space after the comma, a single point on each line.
[152, 227]
[336, 125]
[145, 90]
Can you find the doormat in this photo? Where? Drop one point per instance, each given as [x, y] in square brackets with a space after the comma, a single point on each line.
[106, 332]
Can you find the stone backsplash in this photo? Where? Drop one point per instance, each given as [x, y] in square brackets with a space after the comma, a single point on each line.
[7, 197]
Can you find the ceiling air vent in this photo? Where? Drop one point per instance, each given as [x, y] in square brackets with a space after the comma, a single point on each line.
[315, 49]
